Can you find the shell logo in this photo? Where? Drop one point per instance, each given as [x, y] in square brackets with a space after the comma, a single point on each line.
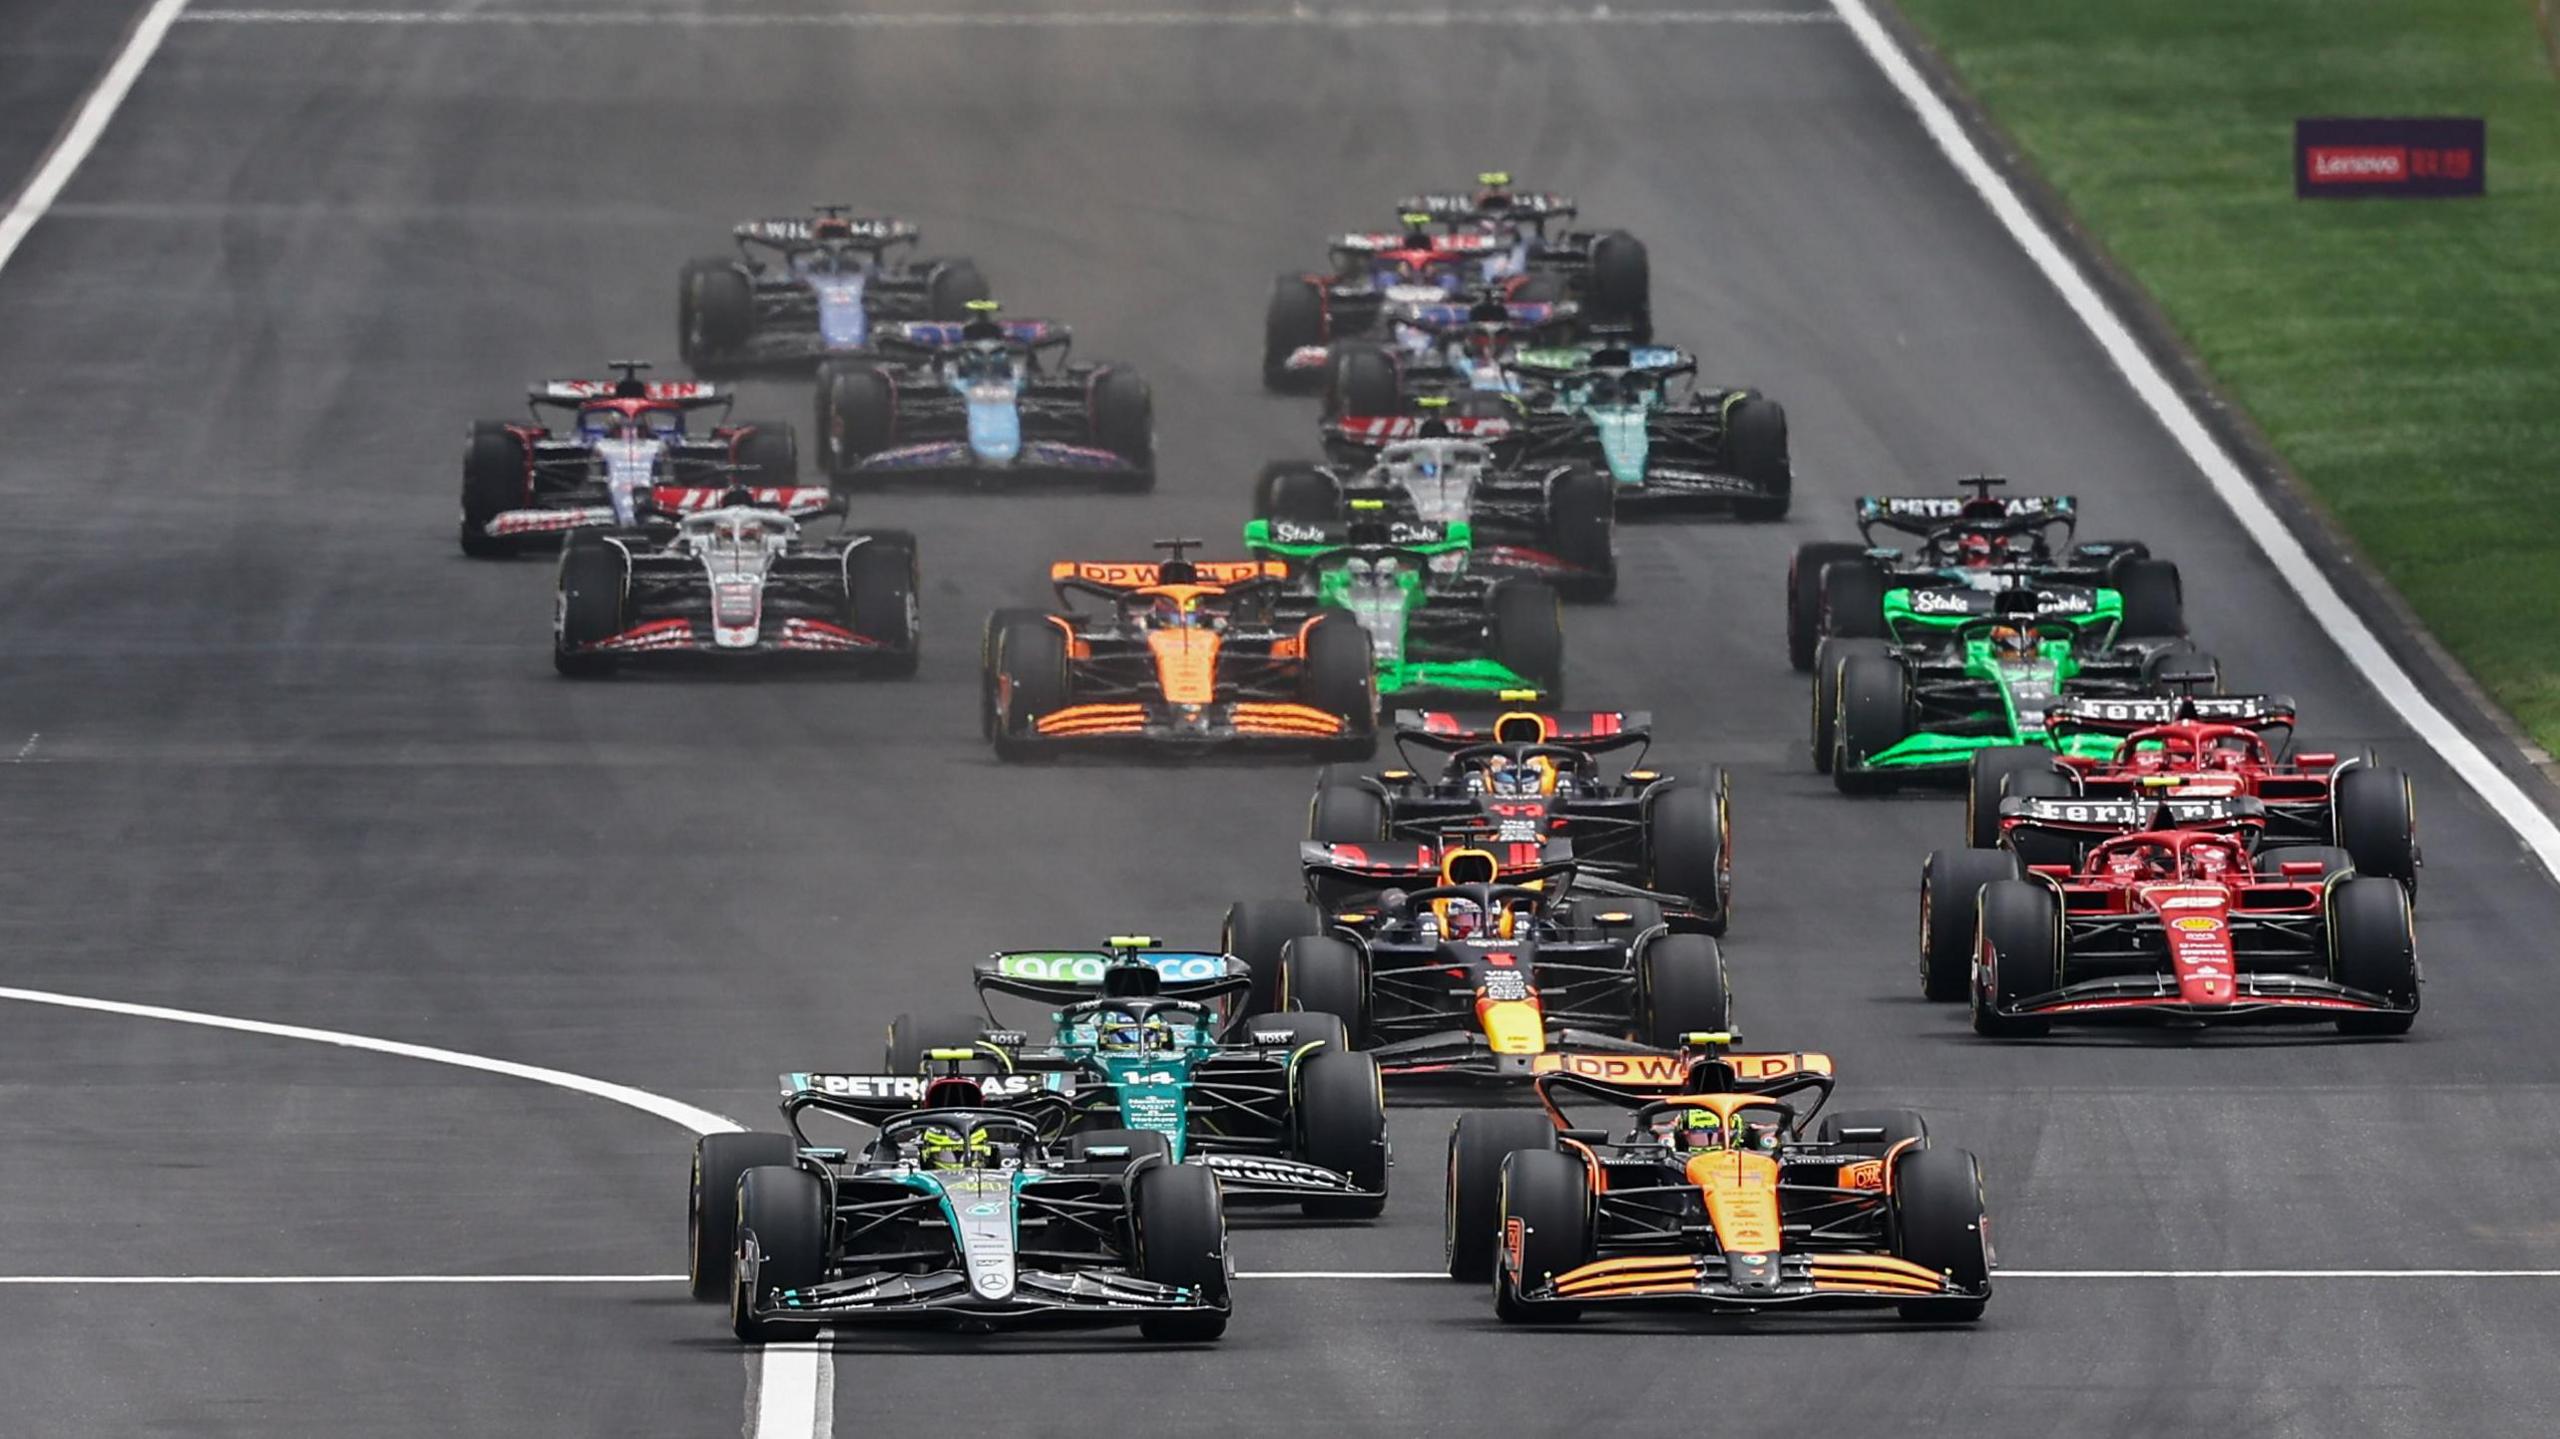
[2196, 924]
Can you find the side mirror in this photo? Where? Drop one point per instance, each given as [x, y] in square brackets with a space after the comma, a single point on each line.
[2300, 868]
[1584, 1136]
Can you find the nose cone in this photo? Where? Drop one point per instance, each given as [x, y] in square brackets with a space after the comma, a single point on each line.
[995, 425]
[1514, 1026]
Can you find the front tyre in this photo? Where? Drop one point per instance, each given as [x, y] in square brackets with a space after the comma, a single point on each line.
[1342, 1125]
[1181, 1231]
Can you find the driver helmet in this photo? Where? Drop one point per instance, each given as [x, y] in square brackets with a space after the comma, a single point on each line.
[2012, 641]
[1502, 777]
[950, 1146]
[1690, 1129]
[603, 424]
[1460, 918]
[1181, 612]
[1128, 1034]
[1980, 551]
[2149, 861]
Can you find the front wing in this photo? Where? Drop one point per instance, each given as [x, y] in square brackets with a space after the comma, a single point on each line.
[1704, 1281]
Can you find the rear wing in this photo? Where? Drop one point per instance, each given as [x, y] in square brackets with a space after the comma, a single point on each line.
[2085, 715]
[1463, 208]
[688, 394]
[874, 1099]
[2127, 816]
[1454, 246]
[936, 336]
[797, 501]
[1551, 365]
[1369, 432]
[869, 232]
[1394, 864]
[1416, 539]
[1111, 575]
[1066, 976]
[1591, 731]
[1703, 1065]
[1927, 514]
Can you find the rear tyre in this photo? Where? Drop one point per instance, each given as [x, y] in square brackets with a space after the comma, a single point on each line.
[595, 580]
[1992, 775]
[1951, 882]
[711, 1210]
[1853, 601]
[767, 456]
[1804, 596]
[911, 1038]
[2372, 947]
[1182, 1240]
[1256, 930]
[1827, 659]
[1528, 634]
[1295, 492]
[1688, 834]
[1755, 448]
[954, 284]
[2154, 605]
[880, 598]
[857, 415]
[1470, 1226]
[1582, 509]
[1937, 1223]
[1618, 287]
[2376, 815]
[1294, 320]
[715, 312]
[1124, 422]
[785, 1209]
[1323, 975]
[1548, 1195]
[1875, 715]
[1342, 1125]
[2019, 941]
[1030, 680]
[1681, 978]
[1364, 381]
[1346, 814]
[496, 477]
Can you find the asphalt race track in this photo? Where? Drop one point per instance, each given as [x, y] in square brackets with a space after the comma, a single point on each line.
[281, 753]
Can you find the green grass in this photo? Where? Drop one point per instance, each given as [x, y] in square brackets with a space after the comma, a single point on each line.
[2403, 355]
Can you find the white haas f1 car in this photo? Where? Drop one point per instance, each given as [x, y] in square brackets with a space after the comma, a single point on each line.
[740, 578]
[525, 483]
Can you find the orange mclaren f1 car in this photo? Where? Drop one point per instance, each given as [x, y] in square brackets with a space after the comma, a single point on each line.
[1718, 1190]
[1179, 655]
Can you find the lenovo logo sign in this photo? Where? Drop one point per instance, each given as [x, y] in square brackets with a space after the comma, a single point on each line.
[2357, 158]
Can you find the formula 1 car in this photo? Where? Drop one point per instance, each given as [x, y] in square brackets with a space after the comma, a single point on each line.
[802, 289]
[1554, 522]
[739, 579]
[1970, 550]
[991, 400]
[1278, 1106]
[964, 1204]
[2188, 926]
[2189, 747]
[1885, 713]
[1459, 966]
[1606, 272]
[525, 483]
[1441, 348]
[1189, 656]
[1717, 1190]
[1435, 626]
[1635, 415]
[1527, 777]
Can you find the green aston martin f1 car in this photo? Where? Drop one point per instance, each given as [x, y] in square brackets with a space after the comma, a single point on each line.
[1439, 627]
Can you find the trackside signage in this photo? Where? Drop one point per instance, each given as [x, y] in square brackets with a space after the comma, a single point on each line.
[2414, 158]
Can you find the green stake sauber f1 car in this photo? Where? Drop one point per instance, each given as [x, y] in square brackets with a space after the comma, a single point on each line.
[1439, 626]
[1980, 675]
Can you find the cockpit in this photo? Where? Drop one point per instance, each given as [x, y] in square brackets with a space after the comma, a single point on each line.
[986, 362]
[625, 422]
[2167, 857]
[1698, 1128]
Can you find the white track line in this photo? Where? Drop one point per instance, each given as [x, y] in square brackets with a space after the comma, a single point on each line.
[2257, 519]
[252, 1280]
[82, 135]
[1299, 17]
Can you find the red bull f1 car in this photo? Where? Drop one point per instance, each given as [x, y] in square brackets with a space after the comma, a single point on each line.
[526, 483]
[1719, 1190]
[1182, 656]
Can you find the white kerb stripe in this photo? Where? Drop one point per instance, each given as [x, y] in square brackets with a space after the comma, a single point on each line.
[2354, 638]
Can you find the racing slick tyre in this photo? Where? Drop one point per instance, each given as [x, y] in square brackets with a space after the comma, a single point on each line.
[1582, 514]
[1124, 422]
[1342, 1125]
[952, 286]
[1891, 1126]
[1295, 492]
[1549, 1196]
[997, 624]
[1804, 596]
[1528, 634]
[1470, 1226]
[1346, 814]
[1340, 676]
[2331, 859]
[1688, 832]
[1363, 380]
[2154, 602]
[1256, 930]
[715, 312]
[1294, 320]
[1323, 975]
[2376, 816]
[1951, 882]
[2019, 941]
[1079, 1157]
[496, 477]
[911, 1038]
[1853, 601]
[2183, 658]
[785, 1209]
[880, 583]
[1875, 715]
[1682, 989]
[1028, 679]
[1936, 1222]
[1992, 775]
[1827, 660]
[595, 578]
[1297, 1029]
[711, 1211]
[1618, 286]
[1181, 1233]
[767, 455]
[857, 414]
[2372, 947]
[1755, 447]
